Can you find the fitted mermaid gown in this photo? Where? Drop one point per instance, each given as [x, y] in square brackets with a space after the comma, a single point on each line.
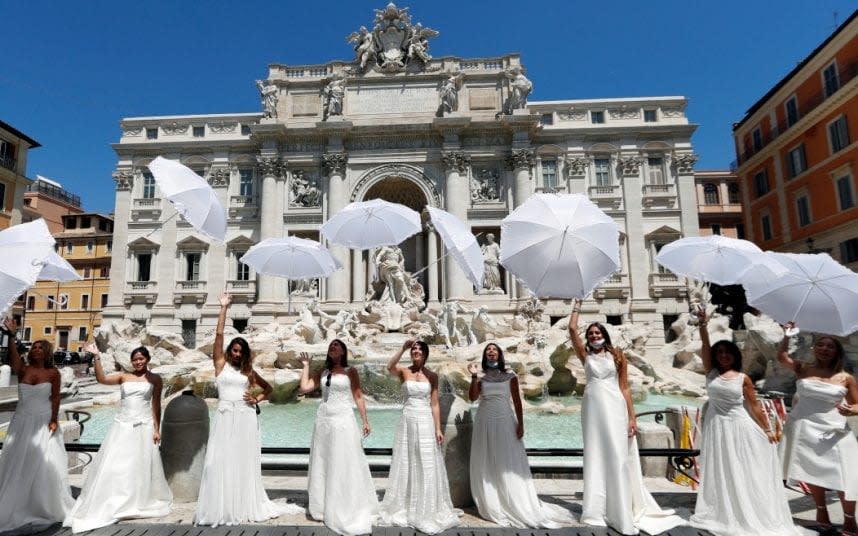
[126, 479]
[819, 447]
[418, 494]
[738, 467]
[614, 493]
[501, 483]
[340, 486]
[34, 487]
[231, 491]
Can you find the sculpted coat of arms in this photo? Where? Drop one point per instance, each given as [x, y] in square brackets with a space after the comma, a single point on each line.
[393, 44]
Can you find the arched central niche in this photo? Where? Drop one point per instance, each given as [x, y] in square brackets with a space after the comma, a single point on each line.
[398, 190]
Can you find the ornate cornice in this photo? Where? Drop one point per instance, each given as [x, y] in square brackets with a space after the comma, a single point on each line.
[219, 177]
[684, 163]
[630, 165]
[222, 127]
[334, 163]
[577, 166]
[456, 161]
[124, 179]
[269, 165]
[174, 129]
[520, 158]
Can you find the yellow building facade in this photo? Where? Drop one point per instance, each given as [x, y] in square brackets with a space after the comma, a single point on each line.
[67, 313]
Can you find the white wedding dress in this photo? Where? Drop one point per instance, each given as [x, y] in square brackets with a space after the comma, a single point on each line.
[126, 479]
[34, 487]
[819, 447]
[738, 467]
[501, 483]
[340, 486]
[418, 494]
[614, 493]
[231, 491]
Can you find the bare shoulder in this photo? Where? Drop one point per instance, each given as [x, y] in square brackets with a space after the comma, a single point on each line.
[431, 376]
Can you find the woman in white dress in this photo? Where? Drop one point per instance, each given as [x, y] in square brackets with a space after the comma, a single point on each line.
[119, 486]
[820, 448]
[501, 483]
[34, 487]
[340, 486]
[418, 494]
[614, 494]
[739, 459]
[231, 491]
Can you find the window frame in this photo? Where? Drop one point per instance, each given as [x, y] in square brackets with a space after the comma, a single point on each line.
[715, 199]
[791, 118]
[791, 163]
[152, 133]
[549, 181]
[835, 134]
[198, 131]
[757, 139]
[766, 230]
[832, 67]
[847, 177]
[849, 250]
[765, 175]
[597, 117]
[656, 169]
[803, 214]
[246, 178]
[84, 302]
[654, 115]
[607, 171]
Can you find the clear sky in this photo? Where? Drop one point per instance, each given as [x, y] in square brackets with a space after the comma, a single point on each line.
[71, 70]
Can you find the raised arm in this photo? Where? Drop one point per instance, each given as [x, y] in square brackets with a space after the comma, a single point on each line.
[357, 394]
[515, 394]
[393, 364]
[218, 358]
[15, 360]
[157, 387]
[623, 379]
[476, 386]
[705, 345]
[100, 376]
[783, 350]
[580, 350]
[308, 383]
[756, 409]
[436, 406]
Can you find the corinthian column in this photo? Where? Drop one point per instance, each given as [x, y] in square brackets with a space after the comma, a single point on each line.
[456, 197]
[270, 218]
[338, 197]
[521, 162]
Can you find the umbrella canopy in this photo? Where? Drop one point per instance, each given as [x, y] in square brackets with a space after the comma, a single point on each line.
[560, 246]
[371, 224]
[25, 248]
[57, 268]
[461, 244]
[191, 196]
[291, 258]
[715, 258]
[817, 293]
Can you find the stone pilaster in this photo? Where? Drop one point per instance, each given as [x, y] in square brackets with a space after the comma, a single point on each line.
[271, 218]
[521, 162]
[338, 198]
[456, 197]
[124, 179]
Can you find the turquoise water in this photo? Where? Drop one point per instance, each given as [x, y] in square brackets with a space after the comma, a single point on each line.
[291, 425]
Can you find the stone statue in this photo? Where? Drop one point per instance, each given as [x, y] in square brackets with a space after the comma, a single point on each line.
[268, 94]
[484, 327]
[453, 328]
[332, 97]
[450, 93]
[305, 287]
[520, 88]
[485, 186]
[305, 193]
[390, 265]
[365, 46]
[491, 263]
[392, 44]
[418, 43]
[343, 325]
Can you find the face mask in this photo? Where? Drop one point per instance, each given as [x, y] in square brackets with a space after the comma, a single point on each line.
[492, 364]
[598, 343]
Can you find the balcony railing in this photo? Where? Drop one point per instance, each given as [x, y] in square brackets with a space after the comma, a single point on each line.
[8, 162]
[147, 203]
[804, 107]
[190, 286]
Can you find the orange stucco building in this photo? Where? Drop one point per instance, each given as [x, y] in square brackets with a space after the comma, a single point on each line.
[798, 154]
[719, 203]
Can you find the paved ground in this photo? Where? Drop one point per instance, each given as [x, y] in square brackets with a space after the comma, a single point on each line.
[285, 486]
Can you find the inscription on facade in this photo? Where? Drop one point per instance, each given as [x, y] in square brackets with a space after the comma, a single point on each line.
[305, 105]
[482, 98]
[391, 100]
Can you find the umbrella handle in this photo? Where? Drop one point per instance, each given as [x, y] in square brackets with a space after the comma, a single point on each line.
[439, 259]
[150, 233]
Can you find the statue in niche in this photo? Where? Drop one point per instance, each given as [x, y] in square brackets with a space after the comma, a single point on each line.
[268, 95]
[305, 287]
[485, 186]
[491, 264]
[365, 46]
[450, 93]
[390, 266]
[520, 88]
[305, 193]
[332, 97]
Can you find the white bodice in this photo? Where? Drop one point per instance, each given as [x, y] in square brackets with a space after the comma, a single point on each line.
[726, 395]
[135, 405]
[600, 367]
[416, 394]
[231, 384]
[34, 400]
[339, 393]
[495, 399]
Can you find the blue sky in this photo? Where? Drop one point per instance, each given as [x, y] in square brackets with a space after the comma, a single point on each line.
[72, 70]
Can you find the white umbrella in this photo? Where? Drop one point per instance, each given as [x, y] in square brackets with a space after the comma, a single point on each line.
[57, 268]
[560, 246]
[25, 248]
[291, 258]
[461, 244]
[191, 196]
[715, 258]
[817, 293]
[371, 224]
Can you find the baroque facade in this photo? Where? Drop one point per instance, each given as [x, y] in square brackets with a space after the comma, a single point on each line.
[397, 124]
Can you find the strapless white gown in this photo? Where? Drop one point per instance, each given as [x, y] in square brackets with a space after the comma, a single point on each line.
[614, 493]
[418, 494]
[34, 486]
[819, 448]
[501, 483]
[231, 491]
[340, 486]
[126, 479]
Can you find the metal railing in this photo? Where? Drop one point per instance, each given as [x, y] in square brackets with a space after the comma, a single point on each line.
[8, 162]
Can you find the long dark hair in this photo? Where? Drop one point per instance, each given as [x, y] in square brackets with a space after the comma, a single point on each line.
[619, 358]
[733, 350]
[245, 365]
[423, 348]
[329, 363]
[501, 362]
